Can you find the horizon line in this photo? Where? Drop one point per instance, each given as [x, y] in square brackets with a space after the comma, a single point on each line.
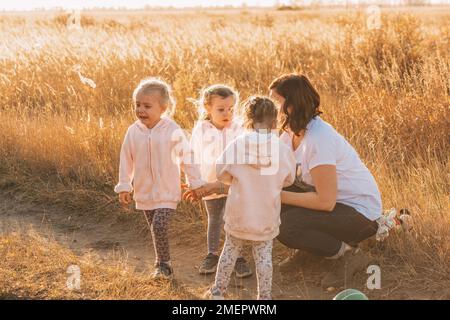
[229, 7]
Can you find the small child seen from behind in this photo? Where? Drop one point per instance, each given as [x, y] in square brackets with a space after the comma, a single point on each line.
[256, 165]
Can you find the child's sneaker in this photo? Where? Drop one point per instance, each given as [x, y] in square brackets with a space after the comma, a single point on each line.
[163, 270]
[242, 268]
[213, 295]
[209, 264]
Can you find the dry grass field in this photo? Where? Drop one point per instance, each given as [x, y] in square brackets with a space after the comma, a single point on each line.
[387, 90]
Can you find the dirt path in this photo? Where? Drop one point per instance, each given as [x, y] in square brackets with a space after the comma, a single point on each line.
[119, 237]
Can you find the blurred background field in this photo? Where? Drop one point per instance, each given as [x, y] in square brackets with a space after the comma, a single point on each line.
[65, 99]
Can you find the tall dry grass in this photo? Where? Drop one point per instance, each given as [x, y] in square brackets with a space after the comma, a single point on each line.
[387, 91]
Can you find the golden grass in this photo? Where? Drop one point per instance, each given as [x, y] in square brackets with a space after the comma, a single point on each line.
[34, 267]
[387, 91]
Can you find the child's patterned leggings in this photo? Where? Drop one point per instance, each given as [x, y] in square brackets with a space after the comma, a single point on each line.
[158, 221]
[262, 253]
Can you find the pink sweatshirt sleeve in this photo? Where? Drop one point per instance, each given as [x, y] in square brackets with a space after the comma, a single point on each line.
[224, 169]
[223, 175]
[196, 143]
[188, 163]
[126, 167]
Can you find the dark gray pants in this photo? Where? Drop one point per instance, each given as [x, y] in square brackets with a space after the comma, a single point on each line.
[215, 208]
[322, 233]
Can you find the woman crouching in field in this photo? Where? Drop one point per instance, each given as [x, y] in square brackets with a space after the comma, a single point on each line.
[335, 201]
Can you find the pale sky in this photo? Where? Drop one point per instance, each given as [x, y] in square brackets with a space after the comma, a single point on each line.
[79, 4]
[24, 4]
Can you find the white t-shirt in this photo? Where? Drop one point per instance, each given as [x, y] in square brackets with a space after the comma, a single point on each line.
[323, 145]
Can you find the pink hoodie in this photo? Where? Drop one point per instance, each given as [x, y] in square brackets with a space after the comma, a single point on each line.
[207, 143]
[257, 166]
[150, 161]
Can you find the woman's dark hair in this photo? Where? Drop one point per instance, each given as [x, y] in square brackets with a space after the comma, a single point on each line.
[301, 96]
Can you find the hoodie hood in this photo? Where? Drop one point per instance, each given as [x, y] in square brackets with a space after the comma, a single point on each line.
[252, 210]
[234, 127]
[259, 149]
[161, 124]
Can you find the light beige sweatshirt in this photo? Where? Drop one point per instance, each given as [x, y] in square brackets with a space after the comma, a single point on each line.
[256, 166]
[150, 163]
[208, 143]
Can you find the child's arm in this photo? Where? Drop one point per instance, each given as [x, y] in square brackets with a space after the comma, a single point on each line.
[224, 165]
[216, 187]
[126, 167]
[188, 163]
[223, 175]
[196, 144]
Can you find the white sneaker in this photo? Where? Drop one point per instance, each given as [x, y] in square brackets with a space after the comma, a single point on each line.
[163, 270]
[209, 295]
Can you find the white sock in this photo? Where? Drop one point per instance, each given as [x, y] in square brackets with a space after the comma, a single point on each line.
[344, 248]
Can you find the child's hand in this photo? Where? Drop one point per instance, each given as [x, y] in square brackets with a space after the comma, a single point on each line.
[203, 191]
[206, 189]
[191, 196]
[188, 195]
[125, 199]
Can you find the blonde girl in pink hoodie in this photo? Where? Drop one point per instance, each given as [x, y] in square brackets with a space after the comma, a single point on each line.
[215, 128]
[152, 153]
[256, 165]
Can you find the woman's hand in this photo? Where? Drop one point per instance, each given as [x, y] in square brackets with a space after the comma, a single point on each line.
[324, 198]
[125, 199]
